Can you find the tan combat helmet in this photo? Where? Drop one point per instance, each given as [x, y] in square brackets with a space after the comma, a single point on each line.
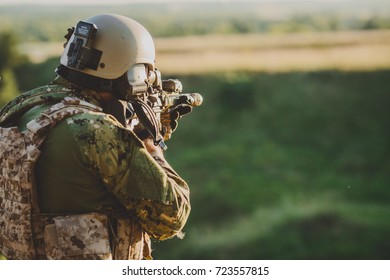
[108, 52]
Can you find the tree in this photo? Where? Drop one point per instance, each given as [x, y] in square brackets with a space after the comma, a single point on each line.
[8, 52]
[9, 59]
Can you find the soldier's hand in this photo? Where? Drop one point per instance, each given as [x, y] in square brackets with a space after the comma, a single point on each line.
[170, 118]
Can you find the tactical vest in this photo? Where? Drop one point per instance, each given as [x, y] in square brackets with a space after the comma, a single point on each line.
[26, 233]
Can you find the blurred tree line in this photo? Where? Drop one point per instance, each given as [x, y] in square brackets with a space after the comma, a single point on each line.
[16, 69]
[9, 61]
[181, 19]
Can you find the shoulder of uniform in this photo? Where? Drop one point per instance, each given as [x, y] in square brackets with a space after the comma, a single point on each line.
[27, 100]
[68, 107]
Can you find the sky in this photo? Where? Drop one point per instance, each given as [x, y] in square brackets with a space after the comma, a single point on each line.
[111, 2]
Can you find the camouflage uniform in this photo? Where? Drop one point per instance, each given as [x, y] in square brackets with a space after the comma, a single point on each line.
[94, 173]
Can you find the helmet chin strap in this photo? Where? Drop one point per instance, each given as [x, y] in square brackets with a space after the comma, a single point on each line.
[121, 88]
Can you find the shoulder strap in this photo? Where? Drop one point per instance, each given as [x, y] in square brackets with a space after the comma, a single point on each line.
[39, 127]
[12, 111]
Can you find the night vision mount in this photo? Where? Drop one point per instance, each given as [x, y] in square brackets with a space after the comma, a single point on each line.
[81, 54]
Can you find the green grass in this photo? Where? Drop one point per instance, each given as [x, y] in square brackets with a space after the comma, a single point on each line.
[285, 166]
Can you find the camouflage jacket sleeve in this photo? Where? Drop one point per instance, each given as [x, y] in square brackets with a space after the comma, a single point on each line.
[146, 187]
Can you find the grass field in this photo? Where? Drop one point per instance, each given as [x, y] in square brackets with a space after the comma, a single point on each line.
[275, 53]
[286, 166]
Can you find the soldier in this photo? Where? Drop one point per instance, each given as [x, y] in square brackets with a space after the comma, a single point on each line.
[75, 182]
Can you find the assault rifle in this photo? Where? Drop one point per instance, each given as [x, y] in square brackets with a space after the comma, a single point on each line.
[163, 100]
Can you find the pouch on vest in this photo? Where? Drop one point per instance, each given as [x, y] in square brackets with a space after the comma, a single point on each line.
[83, 236]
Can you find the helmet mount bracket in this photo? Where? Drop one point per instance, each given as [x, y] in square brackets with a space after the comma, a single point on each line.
[81, 54]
